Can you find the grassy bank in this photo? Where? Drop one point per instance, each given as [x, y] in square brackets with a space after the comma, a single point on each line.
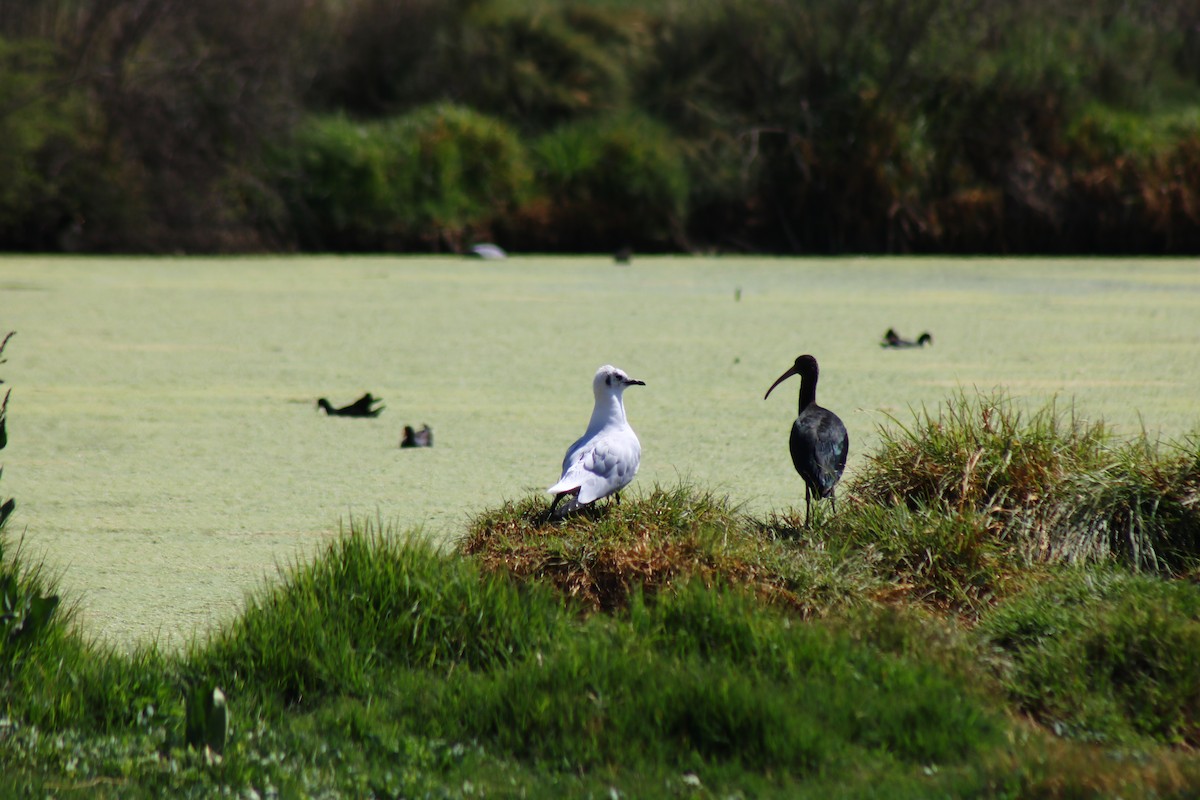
[981, 618]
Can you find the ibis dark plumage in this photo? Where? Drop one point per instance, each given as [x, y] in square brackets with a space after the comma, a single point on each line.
[362, 407]
[819, 442]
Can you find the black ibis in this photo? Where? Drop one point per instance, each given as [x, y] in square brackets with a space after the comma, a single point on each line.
[362, 407]
[819, 442]
[415, 438]
[893, 339]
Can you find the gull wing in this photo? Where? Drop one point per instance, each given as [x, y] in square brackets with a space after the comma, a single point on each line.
[599, 466]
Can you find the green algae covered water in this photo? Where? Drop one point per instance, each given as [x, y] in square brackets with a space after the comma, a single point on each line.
[167, 456]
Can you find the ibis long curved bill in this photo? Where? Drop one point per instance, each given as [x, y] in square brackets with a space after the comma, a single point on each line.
[791, 371]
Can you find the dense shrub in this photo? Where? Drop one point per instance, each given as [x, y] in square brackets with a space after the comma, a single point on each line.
[334, 175]
[538, 69]
[432, 178]
[175, 102]
[40, 129]
[470, 170]
[894, 126]
[816, 126]
[1133, 177]
[607, 184]
[379, 58]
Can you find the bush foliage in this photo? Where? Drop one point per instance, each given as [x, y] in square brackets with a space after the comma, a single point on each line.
[435, 178]
[605, 185]
[815, 126]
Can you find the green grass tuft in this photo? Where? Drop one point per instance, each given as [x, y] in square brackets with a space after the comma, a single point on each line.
[1104, 656]
[952, 562]
[1052, 486]
[371, 603]
[701, 678]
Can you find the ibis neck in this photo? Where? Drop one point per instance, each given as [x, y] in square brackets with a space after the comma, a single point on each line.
[808, 391]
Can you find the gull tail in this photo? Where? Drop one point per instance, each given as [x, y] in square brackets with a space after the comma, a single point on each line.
[571, 496]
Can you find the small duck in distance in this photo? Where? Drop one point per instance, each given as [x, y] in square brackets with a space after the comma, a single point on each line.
[415, 438]
[893, 339]
[362, 407]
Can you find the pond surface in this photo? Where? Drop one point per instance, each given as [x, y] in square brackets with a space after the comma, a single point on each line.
[167, 457]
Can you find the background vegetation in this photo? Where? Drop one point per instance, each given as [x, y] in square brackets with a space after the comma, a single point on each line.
[813, 126]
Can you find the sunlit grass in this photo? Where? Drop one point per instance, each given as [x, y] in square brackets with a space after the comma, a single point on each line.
[1104, 656]
[373, 601]
[1050, 485]
[675, 643]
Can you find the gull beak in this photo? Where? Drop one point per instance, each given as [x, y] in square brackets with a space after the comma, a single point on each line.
[632, 382]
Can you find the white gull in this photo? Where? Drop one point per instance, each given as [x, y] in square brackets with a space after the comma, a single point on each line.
[604, 460]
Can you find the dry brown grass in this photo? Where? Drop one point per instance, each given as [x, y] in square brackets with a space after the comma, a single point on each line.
[599, 556]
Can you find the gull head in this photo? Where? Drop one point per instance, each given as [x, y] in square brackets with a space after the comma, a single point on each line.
[611, 380]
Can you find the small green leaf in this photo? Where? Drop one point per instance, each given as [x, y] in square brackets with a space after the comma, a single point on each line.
[38, 616]
[217, 723]
[206, 719]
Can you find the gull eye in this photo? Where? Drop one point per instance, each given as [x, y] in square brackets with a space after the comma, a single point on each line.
[608, 380]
